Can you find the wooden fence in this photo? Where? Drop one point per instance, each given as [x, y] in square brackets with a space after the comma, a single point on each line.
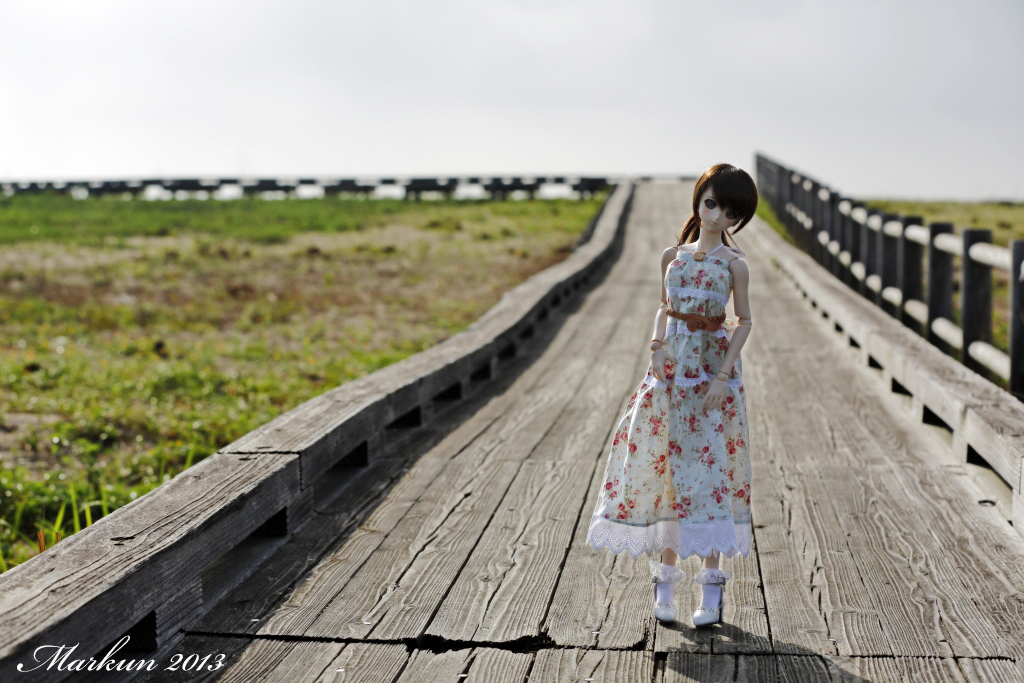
[496, 187]
[155, 566]
[883, 256]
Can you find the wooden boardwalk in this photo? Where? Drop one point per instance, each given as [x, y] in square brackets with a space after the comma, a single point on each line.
[873, 560]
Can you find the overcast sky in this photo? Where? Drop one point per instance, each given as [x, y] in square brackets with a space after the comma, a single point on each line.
[894, 98]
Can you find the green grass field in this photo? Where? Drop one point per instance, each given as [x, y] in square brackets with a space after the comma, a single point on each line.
[139, 337]
[1005, 219]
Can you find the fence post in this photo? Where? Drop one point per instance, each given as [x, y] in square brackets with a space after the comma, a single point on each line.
[1017, 318]
[856, 245]
[827, 202]
[846, 238]
[793, 201]
[834, 221]
[808, 208]
[975, 298]
[888, 262]
[940, 283]
[814, 211]
[869, 254]
[909, 272]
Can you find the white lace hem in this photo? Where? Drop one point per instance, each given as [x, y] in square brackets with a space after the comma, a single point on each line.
[695, 538]
[697, 293]
[690, 381]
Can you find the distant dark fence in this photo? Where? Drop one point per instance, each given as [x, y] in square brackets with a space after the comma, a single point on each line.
[496, 187]
[883, 256]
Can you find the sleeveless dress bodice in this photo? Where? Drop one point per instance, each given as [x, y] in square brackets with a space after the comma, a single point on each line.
[699, 287]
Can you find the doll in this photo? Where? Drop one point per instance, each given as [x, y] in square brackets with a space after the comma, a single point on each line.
[678, 475]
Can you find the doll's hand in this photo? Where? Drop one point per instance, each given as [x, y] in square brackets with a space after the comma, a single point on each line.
[658, 359]
[714, 395]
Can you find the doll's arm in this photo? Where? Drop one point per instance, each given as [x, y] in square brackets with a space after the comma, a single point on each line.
[661, 318]
[741, 304]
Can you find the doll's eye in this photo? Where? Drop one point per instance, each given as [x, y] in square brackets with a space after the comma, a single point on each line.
[731, 215]
[710, 203]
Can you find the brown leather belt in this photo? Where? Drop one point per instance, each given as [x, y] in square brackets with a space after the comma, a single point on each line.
[696, 321]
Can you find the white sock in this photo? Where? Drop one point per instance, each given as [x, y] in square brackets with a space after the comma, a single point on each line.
[711, 593]
[663, 592]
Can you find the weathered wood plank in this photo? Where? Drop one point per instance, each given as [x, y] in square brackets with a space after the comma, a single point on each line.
[598, 666]
[405, 611]
[505, 589]
[875, 431]
[692, 667]
[278, 661]
[427, 667]
[601, 600]
[947, 387]
[243, 611]
[202, 645]
[841, 394]
[604, 600]
[802, 669]
[783, 434]
[990, 670]
[258, 661]
[510, 439]
[755, 669]
[491, 665]
[447, 467]
[366, 663]
[93, 585]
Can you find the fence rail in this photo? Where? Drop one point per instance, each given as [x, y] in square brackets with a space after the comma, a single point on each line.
[883, 257]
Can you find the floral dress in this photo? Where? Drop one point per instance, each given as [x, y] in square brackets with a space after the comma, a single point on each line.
[679, 477]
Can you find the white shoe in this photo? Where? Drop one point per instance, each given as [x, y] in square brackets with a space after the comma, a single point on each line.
[705, 616]
[665, 573]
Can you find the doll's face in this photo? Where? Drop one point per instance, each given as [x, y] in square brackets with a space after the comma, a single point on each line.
[713, 216]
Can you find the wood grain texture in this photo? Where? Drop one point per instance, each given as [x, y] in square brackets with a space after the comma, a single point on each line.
[594, 666]
[947, 387]
[991, 671]
[399, 589]
[245, 609]
[601, 599]
[928, 610]
[450, 466]
[427, 548]
[692, 667]
[428, 667]
[366, 663]
[505, 589]
[95, 584]
[491, 665]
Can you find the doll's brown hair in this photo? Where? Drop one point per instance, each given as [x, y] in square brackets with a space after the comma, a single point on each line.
[733, 188]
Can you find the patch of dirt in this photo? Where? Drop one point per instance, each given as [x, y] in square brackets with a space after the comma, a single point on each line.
[13, 427]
